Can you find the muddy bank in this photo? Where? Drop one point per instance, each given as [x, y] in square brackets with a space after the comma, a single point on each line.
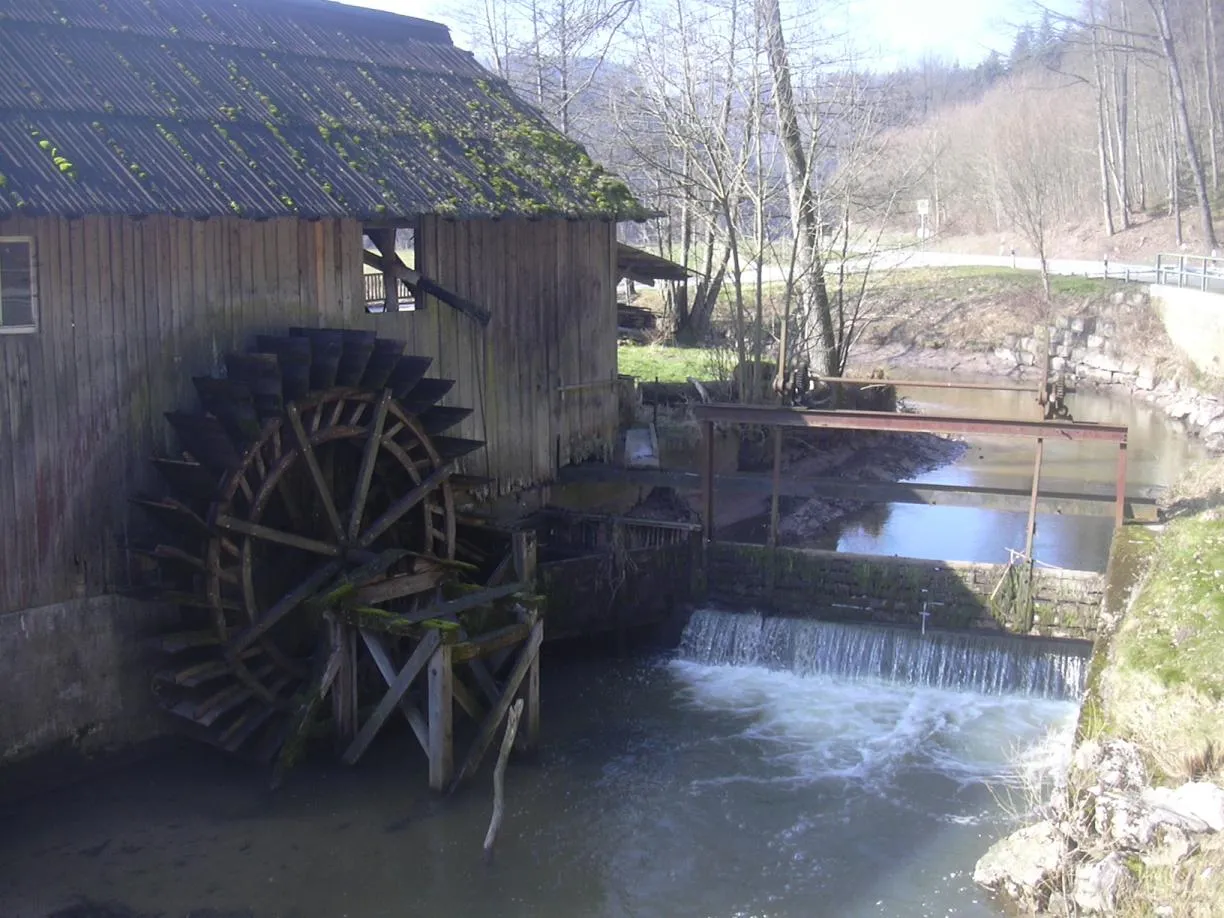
[848, 455]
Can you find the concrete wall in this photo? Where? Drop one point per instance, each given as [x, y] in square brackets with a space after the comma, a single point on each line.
[865, 588]
[74, 676]
[1194, 320]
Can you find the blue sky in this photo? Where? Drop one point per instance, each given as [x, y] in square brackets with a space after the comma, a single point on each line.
[901, 30]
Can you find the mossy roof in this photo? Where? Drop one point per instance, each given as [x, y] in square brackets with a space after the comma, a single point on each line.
[275, 108]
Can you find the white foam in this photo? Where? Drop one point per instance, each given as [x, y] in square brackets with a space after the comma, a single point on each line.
[818, 727]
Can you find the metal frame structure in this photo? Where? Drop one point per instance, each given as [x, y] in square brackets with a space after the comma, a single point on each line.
[779, 418]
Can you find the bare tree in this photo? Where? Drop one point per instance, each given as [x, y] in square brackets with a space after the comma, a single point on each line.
[1181, 111]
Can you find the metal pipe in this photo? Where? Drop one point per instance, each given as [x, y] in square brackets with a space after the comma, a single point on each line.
[1120, 511]
[928, 384]
[1031, 531]
[777, 481]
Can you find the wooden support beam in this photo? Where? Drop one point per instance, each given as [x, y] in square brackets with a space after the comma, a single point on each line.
[1120, 500]
[488, 644]
[422, 284]
[441, 718]
[466, 699]
[487, 729]
[524, 549]
[344, 689]
[401, 585]
[531, 739]
[382, 660]
[416, 662]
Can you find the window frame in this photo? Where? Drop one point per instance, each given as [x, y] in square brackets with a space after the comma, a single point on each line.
[33, 327]
[417, 305]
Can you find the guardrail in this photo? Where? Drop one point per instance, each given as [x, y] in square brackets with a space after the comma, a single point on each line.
[1203, 272]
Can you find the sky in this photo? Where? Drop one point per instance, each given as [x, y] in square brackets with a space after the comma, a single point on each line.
[894, 31]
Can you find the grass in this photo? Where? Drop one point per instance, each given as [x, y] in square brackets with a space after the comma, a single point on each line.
[651, 362]
[1176, 630]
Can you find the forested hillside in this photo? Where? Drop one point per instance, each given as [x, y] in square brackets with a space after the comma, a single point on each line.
[764, 138]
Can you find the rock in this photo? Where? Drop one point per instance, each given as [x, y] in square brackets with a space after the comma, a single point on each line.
[1007, 355]
[1145, 382]
[1023, 862]
[1095, 342]
[1100, 886]
[1011, 341]
[1059, 905]
[1101, 361]
[1180, 410]
[1028, 358]
[1123, 820]
[1172, 846]
[1062, 322]
[1058, 364]
[1118, 298]
[1077, 324]
[1064, 350]
[1137, 299]
[1114, 765]
[1197, 806]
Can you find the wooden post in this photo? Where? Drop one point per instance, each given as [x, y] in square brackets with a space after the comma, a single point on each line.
[344, 690]
[524, 548]
[531, 690]
[441, 718]
[1120, 509]
[1031, 531]
[707, 479]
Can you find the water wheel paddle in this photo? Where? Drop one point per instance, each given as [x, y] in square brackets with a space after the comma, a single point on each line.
[320, 465]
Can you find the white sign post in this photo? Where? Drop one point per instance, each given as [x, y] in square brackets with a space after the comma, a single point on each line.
[924, 208]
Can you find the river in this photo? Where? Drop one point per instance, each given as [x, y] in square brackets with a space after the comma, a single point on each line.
[1158, 452]
[708, 783]
[730, 779]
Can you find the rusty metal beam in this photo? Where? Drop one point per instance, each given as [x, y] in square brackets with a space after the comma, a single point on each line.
[907, 423]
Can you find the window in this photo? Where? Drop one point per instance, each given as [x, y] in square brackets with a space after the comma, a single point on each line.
[375, 286]
[18, 299]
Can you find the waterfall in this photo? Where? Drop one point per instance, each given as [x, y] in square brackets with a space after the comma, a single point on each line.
[968, 661]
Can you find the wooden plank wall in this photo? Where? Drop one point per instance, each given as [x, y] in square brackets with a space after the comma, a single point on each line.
[130, 310]
[551, 287]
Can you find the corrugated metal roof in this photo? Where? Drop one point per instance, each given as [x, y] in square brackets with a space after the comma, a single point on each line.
[276, 108]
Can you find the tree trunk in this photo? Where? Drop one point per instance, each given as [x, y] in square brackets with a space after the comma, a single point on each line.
[1098, 70]
[1181, 111]
[1210, 56]
[804, 219]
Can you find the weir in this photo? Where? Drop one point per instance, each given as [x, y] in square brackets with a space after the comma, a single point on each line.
[964, 661]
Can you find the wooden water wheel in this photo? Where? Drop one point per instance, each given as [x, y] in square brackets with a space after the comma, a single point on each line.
[319, 465]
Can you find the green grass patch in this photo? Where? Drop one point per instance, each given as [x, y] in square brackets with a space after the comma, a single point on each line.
[651, 362]
[1175, 631]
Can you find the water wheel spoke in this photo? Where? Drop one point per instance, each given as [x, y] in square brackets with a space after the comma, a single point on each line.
[393, 513]
[366, 473]
[316, 472]
[286, 604]
[268, 534]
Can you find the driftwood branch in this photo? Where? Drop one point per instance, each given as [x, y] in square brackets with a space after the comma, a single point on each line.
[499, 778]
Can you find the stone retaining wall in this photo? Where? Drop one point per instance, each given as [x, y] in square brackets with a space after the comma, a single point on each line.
[1088, 350]
[867, 588]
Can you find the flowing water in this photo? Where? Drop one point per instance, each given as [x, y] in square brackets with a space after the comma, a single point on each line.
[770, 768]
[1159, 451]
